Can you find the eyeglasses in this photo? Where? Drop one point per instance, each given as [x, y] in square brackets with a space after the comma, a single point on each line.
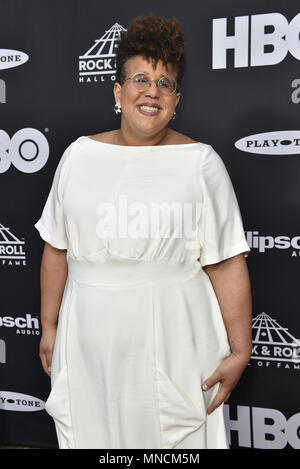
[142, 82]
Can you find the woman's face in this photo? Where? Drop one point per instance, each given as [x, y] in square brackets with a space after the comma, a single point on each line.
[130, 99]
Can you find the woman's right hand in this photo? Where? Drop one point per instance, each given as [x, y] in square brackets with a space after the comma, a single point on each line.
[46, 347]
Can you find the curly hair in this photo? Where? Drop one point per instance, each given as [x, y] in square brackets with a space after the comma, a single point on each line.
[154, 39]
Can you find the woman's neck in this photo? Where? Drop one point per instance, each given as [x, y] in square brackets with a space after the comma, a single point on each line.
[125, 139]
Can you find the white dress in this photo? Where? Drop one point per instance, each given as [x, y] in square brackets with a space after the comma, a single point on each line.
[140, 327]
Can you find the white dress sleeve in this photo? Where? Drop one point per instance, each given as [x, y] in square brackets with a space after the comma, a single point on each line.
[51, 224]
[221, 231]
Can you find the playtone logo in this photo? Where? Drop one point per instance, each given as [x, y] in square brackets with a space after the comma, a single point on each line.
[20, 402]
[281, 142]
[271, 38]
[10, 58]
[264, 423]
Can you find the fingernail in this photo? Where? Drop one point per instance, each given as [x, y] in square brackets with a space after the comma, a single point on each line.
[205, 387]
[49, 368]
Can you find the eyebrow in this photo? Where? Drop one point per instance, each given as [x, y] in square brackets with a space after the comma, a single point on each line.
[161, 75]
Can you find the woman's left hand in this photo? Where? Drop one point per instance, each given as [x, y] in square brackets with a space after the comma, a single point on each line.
[228, 373]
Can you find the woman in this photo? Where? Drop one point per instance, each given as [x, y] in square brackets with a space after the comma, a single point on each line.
[144, 322]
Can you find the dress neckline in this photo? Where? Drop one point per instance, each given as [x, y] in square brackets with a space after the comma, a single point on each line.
[144, 147]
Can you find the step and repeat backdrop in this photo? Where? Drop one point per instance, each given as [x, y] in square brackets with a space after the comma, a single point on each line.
[240, 94]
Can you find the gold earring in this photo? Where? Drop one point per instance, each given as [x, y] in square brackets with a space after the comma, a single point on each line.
[117, 108]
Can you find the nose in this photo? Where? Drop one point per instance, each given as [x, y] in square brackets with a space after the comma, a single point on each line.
[152, 90]
[153, 83]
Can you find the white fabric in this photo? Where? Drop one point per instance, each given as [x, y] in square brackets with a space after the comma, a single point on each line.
[140, 327]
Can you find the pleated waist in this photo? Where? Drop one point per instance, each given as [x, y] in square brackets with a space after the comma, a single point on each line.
[116, 272]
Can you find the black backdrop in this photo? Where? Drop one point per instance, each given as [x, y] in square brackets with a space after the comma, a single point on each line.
[243, 101]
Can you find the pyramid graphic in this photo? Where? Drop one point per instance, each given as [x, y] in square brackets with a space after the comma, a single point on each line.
[269, 335]
[104, 48]
[7, 238]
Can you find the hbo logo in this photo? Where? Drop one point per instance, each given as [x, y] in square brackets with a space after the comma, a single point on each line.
[283, 38]
[263, 428]
[27, 150]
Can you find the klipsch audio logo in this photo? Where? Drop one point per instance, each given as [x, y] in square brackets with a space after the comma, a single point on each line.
[273, 345]
[11, 248]
[288, 244]
[20, 402]
[266, 42]
[22, 325]
[12, 58]
[281, 142]
[98, 62]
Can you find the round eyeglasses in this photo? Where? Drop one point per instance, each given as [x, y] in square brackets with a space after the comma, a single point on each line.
[142, 82]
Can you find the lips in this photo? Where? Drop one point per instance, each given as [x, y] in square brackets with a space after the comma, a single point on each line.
[149, 109]
[150, 105]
